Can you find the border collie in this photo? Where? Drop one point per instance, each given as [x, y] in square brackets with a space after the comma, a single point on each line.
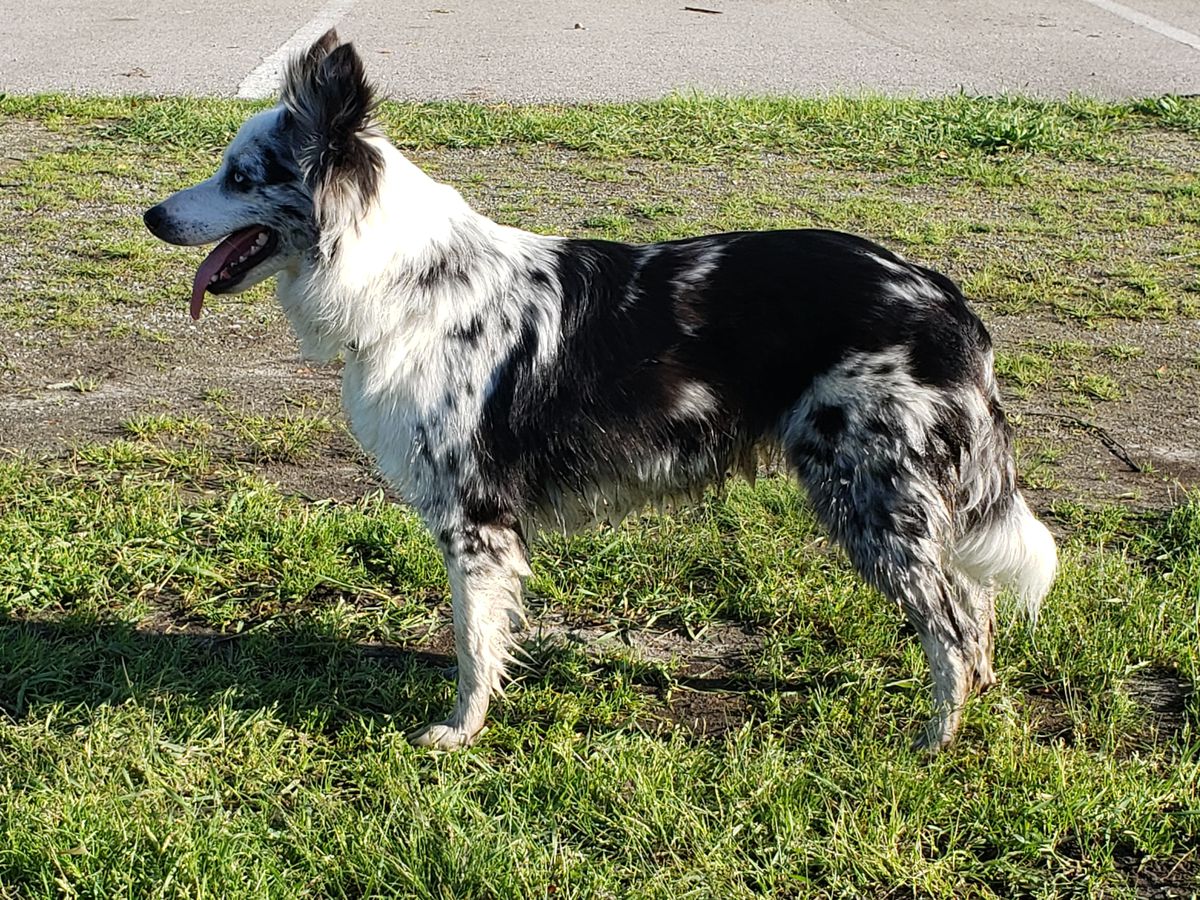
[506, 381]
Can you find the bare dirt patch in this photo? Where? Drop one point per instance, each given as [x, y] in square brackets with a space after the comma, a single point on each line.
[56, 397]
[1161, 879]
[704, 714]
[1050, 721]
[704, 690]
[22, 140]
[1139, 448]
[1163, 694]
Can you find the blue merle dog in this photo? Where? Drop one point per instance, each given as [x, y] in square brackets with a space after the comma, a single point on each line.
[506, 381]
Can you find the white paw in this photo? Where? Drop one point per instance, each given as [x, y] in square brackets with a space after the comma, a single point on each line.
[442, 736]
[937, 734]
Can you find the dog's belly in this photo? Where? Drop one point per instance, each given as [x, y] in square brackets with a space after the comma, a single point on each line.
[441, 459]
[659, 479]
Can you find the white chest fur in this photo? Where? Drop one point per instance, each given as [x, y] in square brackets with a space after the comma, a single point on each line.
[408, 410]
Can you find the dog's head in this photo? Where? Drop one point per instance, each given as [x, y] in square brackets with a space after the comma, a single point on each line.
[293, 177]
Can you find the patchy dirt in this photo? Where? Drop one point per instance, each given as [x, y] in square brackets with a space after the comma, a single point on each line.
[703, 714]
[1049, 720]
[1139, 449]
[1163, 695]
[706, 661]
[22, 140]
[1176, 878]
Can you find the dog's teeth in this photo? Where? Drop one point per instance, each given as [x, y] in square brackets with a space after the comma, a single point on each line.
[261, 240]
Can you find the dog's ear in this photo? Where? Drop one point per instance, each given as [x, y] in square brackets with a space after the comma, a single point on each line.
[330, 103]
[301, 67]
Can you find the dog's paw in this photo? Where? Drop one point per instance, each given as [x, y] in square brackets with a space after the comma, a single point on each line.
[441, 736]
[937, 735]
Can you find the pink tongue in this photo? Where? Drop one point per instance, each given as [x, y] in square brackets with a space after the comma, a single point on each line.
[222, 256]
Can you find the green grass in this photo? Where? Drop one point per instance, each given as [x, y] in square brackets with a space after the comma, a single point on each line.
[873, 130]
[207, 678]
[1059, 209]
[150, 761]
[689, 128]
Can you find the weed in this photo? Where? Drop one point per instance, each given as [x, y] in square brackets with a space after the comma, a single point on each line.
[286, 438]
[1097, 386]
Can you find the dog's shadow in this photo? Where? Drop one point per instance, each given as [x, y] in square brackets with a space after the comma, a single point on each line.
[309, 678]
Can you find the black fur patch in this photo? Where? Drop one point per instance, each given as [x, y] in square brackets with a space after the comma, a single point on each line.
[881, 427]
[430, 278]
[829, 421]
[275, 169]
[948, 340]
[423, 449]
[470, 333]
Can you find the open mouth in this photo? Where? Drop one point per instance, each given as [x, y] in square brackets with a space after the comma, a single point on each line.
[229, 262]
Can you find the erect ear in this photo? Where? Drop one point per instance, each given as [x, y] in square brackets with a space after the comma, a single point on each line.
[301, 67]
[331, 102]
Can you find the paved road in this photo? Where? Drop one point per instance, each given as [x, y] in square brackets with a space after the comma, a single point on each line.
[577, 50]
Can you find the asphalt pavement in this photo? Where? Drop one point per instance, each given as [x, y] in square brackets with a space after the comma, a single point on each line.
[568, 50]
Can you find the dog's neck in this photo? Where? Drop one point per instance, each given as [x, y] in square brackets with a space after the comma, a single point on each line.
[418, 257]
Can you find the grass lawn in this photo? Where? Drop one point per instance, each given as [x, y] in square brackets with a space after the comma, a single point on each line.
[216, 626]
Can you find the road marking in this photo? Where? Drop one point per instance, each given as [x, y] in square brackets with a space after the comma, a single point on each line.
[1166, 29]
[264, 80]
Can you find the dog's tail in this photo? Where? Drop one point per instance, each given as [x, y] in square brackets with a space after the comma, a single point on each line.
[1012, 550]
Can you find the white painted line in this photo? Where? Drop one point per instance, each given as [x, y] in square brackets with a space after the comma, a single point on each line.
[264, 80]
[1166, 29]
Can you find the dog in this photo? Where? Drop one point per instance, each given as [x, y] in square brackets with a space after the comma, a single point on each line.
[505, 381]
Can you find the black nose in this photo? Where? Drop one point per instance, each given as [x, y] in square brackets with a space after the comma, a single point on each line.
[155, 218]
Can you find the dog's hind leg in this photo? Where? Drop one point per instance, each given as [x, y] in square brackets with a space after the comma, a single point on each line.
[938, 603]
[486, 565]
[880, 502]
[955, 646]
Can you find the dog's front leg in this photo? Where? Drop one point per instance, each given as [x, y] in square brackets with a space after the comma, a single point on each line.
[486, 564]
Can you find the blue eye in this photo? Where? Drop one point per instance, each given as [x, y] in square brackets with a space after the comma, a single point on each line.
[239, 178]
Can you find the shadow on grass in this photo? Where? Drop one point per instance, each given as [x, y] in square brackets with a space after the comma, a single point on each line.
[302, 673]
[313, 679]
